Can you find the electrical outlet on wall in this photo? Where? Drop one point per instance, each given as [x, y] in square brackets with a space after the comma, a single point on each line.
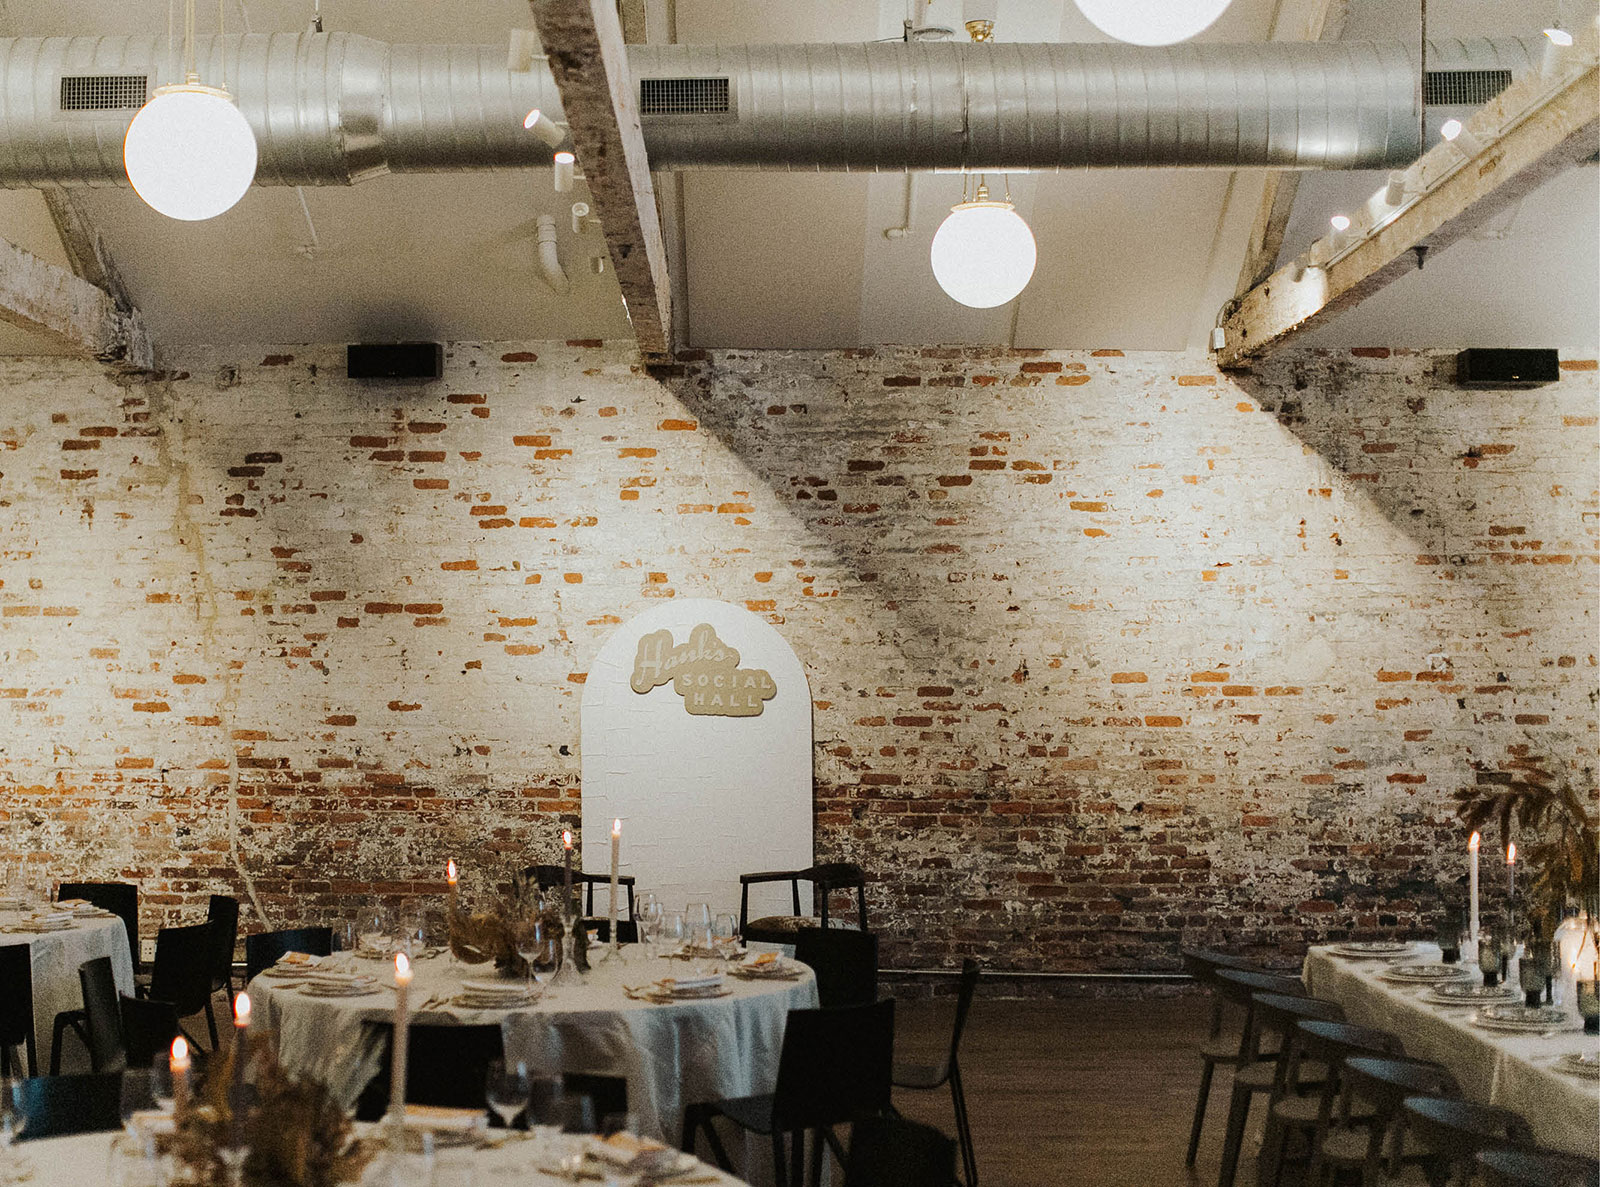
[147, 951]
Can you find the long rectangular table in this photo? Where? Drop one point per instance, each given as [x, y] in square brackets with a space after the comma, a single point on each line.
[1511, 1070]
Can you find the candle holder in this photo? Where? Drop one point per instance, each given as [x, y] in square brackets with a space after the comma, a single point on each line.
[1588, 995]
[1489, 958]
[567, 974]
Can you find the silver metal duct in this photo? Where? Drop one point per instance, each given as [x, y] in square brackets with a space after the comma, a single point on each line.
[336, 108]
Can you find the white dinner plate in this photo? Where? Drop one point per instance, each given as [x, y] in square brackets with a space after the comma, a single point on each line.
[1425, 973]
[1372, 949]
[1466, 993]
[327, 989]
[1581, 1063]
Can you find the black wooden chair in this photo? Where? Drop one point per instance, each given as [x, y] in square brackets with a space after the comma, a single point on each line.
[845, 962]
[16, 1011]
[834, 1068]
[824, 879]
[928, 1077]
[1536, 1168]
[56, 1106]
[148, 1028]
[1456, 1131]
[186, 959]
[1368, 1127]
[120, 898]
[446, 1066]
[96, 1024]
[894, 1152]
[265, 948]
[1203, 965]
[222, 913]
[607, 1098]
[550, 877]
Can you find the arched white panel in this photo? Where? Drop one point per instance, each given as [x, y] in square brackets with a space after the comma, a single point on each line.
[702, 798]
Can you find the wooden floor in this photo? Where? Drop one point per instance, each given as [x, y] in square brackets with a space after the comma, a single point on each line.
[1075, 1092]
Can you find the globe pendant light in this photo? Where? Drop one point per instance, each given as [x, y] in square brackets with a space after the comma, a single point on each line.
[983, 253]
[1152, 22]
[189, 151]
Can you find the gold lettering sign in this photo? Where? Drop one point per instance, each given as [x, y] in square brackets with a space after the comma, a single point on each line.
[705, 672]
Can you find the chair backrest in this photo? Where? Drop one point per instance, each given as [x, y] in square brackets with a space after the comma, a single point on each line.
[16, 995]
[445, 1065]
[222, 913]
[185, 958]
[1237, 986]
[894, 1152]
[1536, 1168]
[98, 984]
[846, 964]
[1278, 1012]
[120, 898]
[835, 1065]
[829, 876]
[968, 985]
[1386, 1083]
[1202, 964]
[549, 877]
[1455, 1130]
[608, 1097]
[54, 1106]
[1334, 1042]
[148, 1028]
[264, 949]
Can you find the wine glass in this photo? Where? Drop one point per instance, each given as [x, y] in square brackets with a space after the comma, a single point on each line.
[507, 1089]
[1489, 957]
[528, 936]
[376, 931]
[651, 917]
[12, 1122]
[698, 917]
[546, 953]
[674, 930]
[725, 930]
[1448, 933]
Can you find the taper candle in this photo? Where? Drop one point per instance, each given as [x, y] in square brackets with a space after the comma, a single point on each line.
[450, 880]
[1511, 869]
[1472, 885]
[566, 877]
[241, 1058]
[178, 1063]
[616, 848]
[397, 1063]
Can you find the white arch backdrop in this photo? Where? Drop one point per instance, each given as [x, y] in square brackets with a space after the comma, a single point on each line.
[702, 798]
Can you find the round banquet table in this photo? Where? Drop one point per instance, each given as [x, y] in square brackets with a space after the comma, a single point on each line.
[86, 1158]
[670, 1054]
[54, 957]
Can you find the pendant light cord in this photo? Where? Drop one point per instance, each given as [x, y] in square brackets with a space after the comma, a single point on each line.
[190, 75]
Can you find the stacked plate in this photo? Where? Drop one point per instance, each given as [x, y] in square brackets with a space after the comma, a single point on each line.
[690, 988]
[1372, 949]
[1514, 1018]
[1467, 993]
[1584, 1063]
[767, 966]
[1426, 973]
[495, 995]
[326, 983]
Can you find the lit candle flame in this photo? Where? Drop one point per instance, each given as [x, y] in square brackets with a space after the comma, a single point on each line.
[616, 828]
[1511, 854]
[180, 1052]
[241, 1010]
[566, 838]
[402, 967]
[1473, 844]
[450, 871]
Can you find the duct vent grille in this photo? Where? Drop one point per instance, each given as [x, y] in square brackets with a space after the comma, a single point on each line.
[1463, 88]
[103, 92]
[684, 96]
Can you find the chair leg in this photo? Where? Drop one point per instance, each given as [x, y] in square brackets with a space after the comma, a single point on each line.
[1200, 1111]
[797, 1157]
[958, 1101]
[780, 1164]
[819, 1155]
[1238, 1114]
[33, 1055]
[55, 1044]
[211, 1023]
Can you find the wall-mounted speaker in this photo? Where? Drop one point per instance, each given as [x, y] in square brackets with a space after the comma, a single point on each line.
[1493, 367]
[395, 360]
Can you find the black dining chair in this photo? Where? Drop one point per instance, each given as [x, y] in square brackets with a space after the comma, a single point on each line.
[56, 1106]
[1368, 1131]
[1203, 965]
[894, 1152]
[186, 959]
[549, 877]
[834, 1068]
[264, 949]
[120, 898]
[825, 879]
[627, 930]
[222, 913]
[1454, 1132]
[607, 1097]
[96, 1024]
[926, 1078]
[1536, 1168]
[16, 1011]
[845, 962]
[148, 1028]
[445, 1066]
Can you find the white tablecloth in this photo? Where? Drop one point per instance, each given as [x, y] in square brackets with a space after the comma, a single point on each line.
[670, 1054]
[55, 957]
[78, 1161]
[1511, 1070]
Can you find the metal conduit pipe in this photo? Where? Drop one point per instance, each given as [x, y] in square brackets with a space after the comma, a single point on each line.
[337, 108]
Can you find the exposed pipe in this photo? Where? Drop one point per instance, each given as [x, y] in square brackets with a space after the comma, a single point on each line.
[549, 258]
[337, 108]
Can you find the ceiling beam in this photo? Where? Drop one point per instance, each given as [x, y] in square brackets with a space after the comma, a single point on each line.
[1294, 20]
[1536, 128]
[37, 295]
[583, 39]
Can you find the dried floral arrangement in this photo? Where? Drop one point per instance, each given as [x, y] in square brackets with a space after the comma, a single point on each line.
[482, 936]
[297, 1134]
[1562, 850]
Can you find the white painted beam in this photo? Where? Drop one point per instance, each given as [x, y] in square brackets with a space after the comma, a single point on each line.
[583, 39]
[1535, 129]
[38, 296]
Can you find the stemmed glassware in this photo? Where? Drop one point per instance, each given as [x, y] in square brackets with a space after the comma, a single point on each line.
[12, 1122]
[651, 917]
[508, 1089]
[1489, 957]
[377, 931]
[674, 930]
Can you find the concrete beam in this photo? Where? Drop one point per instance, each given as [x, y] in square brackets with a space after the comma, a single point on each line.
[1538, 127]
[51, 301]
[583, 39]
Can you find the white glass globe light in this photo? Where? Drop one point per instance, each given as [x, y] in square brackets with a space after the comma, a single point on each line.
[189, 152]
[1152, 22]
[983, 254]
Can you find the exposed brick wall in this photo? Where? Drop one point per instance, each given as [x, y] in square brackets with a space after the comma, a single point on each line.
[1106, 650]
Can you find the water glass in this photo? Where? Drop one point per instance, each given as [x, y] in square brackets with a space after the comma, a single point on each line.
[375, 931]
[507, 1089]
[674, 930]
[698, 917]
[652, 917]
[1489, 957]
[1448, 934]
[132, 1162]
[546, 1110]
[1533, 971]
[725, 929]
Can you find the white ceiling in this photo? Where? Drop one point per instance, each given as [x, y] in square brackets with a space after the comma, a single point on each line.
[1128, 259]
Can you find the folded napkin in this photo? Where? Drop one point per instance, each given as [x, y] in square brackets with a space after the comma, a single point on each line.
[758, 960]
[496, 988]
[75, 904]
[299, 959]
[710, 981]
[622, 1148]
[438, 1117]
[53, 916]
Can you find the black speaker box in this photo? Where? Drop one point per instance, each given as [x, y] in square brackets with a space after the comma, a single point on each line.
[1486, 367]
[395, 360]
